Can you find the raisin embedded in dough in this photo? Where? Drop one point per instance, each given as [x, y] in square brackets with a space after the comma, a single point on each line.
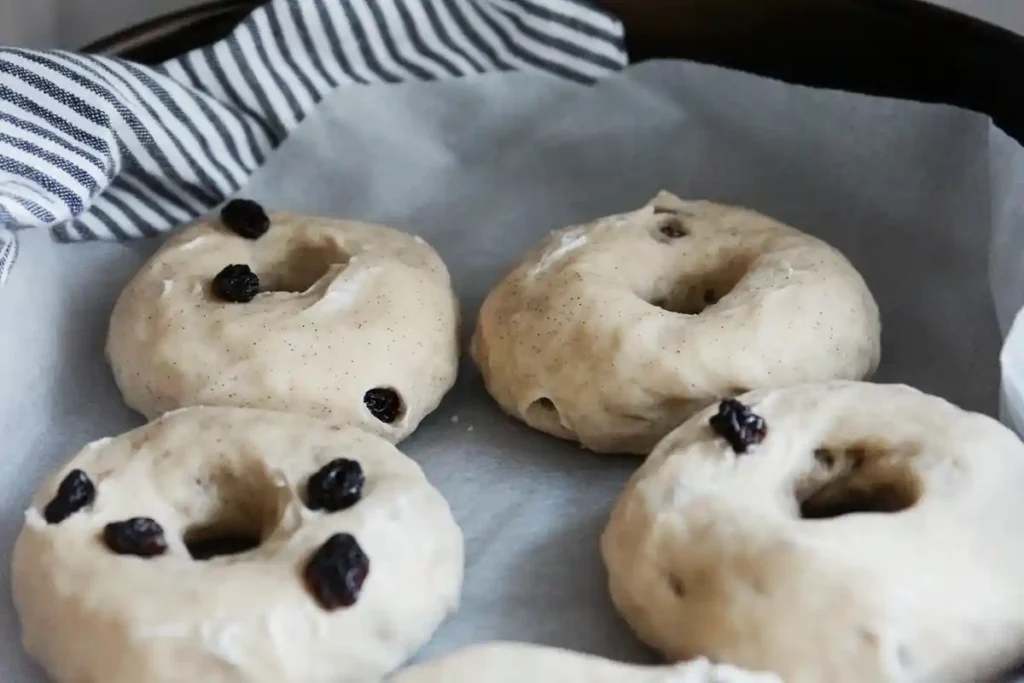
[236, 284]
[200, 559]
[245, 218]
[76, 491]
[839, 545]
[629, 324]
[140, 536]
[335, 486]
[349, 322]
[336, 571]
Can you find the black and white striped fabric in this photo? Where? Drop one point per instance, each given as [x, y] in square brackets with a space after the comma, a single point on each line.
[94, 147]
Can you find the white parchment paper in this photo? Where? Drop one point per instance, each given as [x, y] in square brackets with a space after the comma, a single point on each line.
[925, 200]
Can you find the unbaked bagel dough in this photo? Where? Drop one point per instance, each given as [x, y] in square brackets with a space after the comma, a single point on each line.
[613, 332]
[344, 308]
[748, 558]
[90, 614]
[522, 663]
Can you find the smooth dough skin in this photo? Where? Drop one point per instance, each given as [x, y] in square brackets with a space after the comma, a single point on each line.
[614, 332]
[500, 662]
[344, 307]
[873, 536]
[92, 616]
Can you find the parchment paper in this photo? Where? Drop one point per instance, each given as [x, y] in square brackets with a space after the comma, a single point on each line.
[917, 196]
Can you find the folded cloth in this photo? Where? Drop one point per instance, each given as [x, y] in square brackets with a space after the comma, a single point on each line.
[96, 147]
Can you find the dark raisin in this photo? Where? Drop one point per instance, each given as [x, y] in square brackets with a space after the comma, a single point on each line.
[738, 425]
[246, 218]
[383, 404]
[335, 486]
[75, 492]
[336, 572]
[672, 227]
[237, 284]
[140, 536]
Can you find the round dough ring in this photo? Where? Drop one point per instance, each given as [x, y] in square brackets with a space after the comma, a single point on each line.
[740, 557]
[344, 307]
[89, 614]
[570, 343]
[507, 662]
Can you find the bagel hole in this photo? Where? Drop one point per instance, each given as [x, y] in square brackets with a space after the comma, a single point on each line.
[204, 544]
[544, 414]
[303, 265]
[231, 511]
[700, 291]
[676, 585]
[856, 480]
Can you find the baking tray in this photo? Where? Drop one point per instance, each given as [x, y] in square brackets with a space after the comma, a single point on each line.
[896, 48]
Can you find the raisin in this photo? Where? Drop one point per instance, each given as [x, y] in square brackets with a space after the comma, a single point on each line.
[738, 425]
[336, 572]
[672, 227]
[245, 218]
[140, 536]
[237, 284]
[75, 492]
[384, 404]
[335, 486]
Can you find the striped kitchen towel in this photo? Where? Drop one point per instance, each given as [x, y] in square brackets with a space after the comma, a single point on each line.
[95, 147]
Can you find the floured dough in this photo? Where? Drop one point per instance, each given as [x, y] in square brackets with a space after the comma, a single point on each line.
[344, 308]
[522, 663]
[501, 662]
[613, 332]
[872, 536]
[90, 614]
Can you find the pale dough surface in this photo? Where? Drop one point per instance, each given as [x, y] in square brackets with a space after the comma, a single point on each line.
[708, 552]
[572, 341]
[508, 662]
[92, 616]
[344, 307]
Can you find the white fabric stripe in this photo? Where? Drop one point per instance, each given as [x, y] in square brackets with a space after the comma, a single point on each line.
[403, 44]
[133, 184]
[290, 36]
[139, 148]
[430, 36]
[8, 252]
[49, 169]
[261, 70]
[30, 197]
[235, 120]
[232, 72]
[577, 11]
[50, 103]
[121, 151]
[561, 32]
[213, 142]
[172, 129]
[322, 45]
[531, 45]
[348, 43]
[443, 11]
[471, 14]
[96, 173]
[376, 43]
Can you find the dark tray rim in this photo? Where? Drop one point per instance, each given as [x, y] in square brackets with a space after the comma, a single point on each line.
[910, 49]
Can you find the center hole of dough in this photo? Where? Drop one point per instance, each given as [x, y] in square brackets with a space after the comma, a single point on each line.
[856, 480]
[695, 292]
[230, 513]
[304, 263]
